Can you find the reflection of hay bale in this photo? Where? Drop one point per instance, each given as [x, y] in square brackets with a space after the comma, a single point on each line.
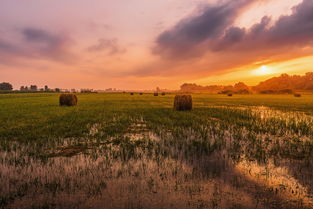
[163, 93]
[156, 94]
[230, 94]
[68, 99]
[132, 93]
[297, 95]
[183, 102]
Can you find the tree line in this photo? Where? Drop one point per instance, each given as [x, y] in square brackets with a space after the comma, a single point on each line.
[5, 86]
[284, 84]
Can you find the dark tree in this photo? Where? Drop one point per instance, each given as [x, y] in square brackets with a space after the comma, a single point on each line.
[33, 88]
[6, 86]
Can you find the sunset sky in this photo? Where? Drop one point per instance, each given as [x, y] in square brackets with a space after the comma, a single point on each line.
[142, 44]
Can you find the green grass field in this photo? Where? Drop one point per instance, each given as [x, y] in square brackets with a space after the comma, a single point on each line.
[123, 151]
[38, 116]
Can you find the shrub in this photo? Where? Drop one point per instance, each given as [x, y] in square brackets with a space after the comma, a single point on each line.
[226, 92]
[285, 91]
[243, 91]
[267, 92]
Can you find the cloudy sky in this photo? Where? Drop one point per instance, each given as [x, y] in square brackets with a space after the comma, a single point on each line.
[140, 44]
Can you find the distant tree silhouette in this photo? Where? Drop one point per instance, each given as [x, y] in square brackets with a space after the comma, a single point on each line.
[286, 83]
[241, 86]
[226, 92]
[33, 88]
[6, 86]
[187, 87]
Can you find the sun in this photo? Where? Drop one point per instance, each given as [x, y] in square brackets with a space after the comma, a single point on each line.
[263, 70]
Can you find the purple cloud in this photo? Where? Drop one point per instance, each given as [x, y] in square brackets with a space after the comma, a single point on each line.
[110, 46]
[185, 37]
[37, 44]
[213, 31]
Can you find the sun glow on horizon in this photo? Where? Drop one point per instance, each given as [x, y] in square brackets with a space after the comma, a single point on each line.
[263, 70]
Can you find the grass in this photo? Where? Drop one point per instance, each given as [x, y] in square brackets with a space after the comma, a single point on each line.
[38, 116]
[245, 151]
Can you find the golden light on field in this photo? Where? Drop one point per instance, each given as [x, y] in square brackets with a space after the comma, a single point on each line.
[263, 70]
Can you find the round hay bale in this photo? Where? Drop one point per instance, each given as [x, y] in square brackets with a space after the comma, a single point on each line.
[140, 93]
[68, 99]
[163, 93]
[131, 94]
[156, 94]
[183, 102]
[297, 95]
[230, 94]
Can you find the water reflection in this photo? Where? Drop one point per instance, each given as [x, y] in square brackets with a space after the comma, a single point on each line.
[223, 168]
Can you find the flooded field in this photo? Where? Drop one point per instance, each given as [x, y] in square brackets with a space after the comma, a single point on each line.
[133, 152]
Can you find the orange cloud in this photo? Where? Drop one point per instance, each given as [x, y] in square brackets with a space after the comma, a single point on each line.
[209, 43]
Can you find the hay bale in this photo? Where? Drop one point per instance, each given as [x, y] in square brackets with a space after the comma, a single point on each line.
[140, 93]
[132, 94]
[297, 95]
[163, 93]
[230, 94]
[156, 94]
[68, 99]
[183, 102]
